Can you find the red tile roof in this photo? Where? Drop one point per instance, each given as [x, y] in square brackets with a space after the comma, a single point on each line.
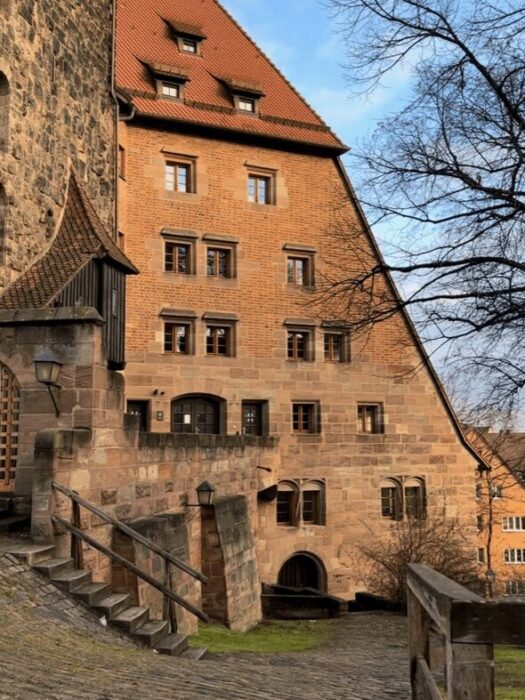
[146, 35]
[80, 238]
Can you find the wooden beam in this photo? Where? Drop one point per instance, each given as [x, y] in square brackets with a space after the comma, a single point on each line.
[488, 622]
[470, 672]
[424, 686]
[134, 569]
[131, 533]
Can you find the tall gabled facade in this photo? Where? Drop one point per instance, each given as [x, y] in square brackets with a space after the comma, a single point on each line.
[233, 200]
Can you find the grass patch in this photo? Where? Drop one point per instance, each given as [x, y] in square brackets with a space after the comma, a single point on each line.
[269, 637]
[510, 673]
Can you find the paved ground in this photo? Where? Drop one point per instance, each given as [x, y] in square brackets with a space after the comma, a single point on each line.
[49, 650]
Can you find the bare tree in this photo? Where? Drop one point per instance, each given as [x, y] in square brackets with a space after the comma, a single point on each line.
[451, 166]
[438, 542]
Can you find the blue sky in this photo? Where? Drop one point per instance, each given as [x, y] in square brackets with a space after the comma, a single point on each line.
[304, 41]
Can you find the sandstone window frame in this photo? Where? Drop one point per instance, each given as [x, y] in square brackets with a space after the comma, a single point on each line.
[370, 418]
[220, 334]
[186, 239]
[180, 173]
[403, 497]
[301, 503]
[306, 418]
[300, 340]
[172, 320]
[225, 244]
[255, 417]
[258, 195]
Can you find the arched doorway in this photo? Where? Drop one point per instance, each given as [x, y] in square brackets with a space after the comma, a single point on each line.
[9, 418]
[198, 414]
[303, 570]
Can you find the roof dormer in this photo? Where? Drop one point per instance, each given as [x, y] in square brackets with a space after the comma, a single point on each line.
[189, 37]
[245, 94]
[170, 80]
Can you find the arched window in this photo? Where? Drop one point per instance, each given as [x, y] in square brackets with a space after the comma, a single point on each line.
[415, 498]
[9, 417]
[288, 503]
[198, 414]
[3, 220]
[391, 499]
[303, 570]
[4, 112]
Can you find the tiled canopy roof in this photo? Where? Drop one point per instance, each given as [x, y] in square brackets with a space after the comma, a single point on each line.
[80, 238]
[146, 35]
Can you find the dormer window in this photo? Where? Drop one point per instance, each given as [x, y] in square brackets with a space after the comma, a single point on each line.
[189, 37]
[245, 94]
[169, 89]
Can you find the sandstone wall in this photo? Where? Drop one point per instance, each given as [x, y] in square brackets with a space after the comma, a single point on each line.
[56, 112]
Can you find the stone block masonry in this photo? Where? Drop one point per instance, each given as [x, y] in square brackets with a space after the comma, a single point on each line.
[56, 113]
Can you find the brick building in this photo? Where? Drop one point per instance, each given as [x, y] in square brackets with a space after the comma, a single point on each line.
[234, 205]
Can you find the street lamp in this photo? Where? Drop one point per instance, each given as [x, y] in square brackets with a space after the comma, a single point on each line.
[490, 577]
[47, 372]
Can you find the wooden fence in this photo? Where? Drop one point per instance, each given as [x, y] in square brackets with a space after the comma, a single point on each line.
[470, 626]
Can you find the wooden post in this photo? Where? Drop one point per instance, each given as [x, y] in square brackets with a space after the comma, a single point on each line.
[418, 636]
[470, 671]
[77, 553]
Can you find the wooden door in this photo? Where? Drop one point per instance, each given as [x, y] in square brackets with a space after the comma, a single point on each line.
[9, 421]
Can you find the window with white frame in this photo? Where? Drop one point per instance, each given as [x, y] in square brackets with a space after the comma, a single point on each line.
[515, 588]
[514, 523]
[514, 556]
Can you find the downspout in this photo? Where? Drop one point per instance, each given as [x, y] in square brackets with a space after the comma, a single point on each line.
[116, 119]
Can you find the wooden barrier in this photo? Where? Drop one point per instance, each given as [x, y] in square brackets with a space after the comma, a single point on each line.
[470, 626]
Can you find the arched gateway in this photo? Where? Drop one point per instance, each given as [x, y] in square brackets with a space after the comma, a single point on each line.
[9, 417]
[303, 570]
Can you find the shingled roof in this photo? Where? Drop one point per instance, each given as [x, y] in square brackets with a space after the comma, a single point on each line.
[146, 33]
[80, 238]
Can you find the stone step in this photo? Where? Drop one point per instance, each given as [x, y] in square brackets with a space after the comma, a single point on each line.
[54, 567]
[93, 593]
[33, 554]
[73, 579]
[113, 605]
[152, 632]
[194, 653]
[14, 523]
[172, 645]
[132, 618]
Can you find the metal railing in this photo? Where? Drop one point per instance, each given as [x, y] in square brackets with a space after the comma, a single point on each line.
[78, 536]
[470, 626]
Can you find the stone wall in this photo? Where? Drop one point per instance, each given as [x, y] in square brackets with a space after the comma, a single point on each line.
[233, 594]
[56, 112]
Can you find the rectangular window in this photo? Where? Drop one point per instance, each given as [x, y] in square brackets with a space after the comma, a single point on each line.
[170, 89]
[177, 338]
[285, 507]
[481, 556]
[336, 347]
[496, 491]
[299, 271]
[515, 556]
[479, 523]
[219, 341]
[479, 492]
[254, 417]
[179, 177]
[260, 189]
[414, 502]
[312, 507]
[300, 345]
[515, 588]
[305, 418]
[178, 258]
[369, 418]
[219, 262]
[390, 502]
[514, 523]
[246, 104]
[190, 46]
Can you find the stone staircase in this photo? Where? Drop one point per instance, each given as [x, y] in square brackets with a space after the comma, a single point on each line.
[116, 608]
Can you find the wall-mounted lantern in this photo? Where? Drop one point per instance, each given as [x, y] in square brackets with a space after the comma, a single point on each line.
[205, 493]
[47, 372]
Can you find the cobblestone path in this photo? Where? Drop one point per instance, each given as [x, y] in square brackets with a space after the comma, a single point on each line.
[46, 652]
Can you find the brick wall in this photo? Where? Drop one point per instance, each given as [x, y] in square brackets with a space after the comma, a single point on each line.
[56, 57]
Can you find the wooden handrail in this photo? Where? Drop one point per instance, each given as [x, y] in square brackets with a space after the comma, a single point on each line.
[130, 532]
[134, 569]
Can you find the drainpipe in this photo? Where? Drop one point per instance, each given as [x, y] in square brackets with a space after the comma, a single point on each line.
[116, 120]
